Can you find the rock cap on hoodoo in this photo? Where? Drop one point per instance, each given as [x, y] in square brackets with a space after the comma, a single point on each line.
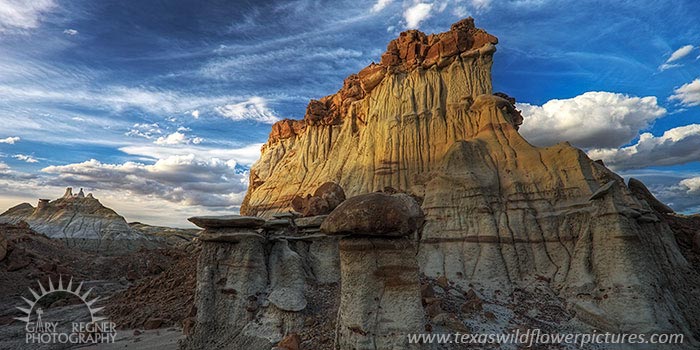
[227, 221]
[375, 214]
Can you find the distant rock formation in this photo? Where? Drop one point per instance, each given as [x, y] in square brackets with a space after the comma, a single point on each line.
[73, 217]
[499, 212]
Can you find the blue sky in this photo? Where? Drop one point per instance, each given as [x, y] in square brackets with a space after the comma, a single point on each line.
[160, 107]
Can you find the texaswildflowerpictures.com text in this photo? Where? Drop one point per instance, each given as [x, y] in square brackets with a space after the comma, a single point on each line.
[533, 337]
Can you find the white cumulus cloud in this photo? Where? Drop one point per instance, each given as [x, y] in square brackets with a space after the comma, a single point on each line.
[416, 14]
[10, 140]
[688, 94]
[254, 108]
[593, 119]
[70, 32]
[692, 184]
[195, 114]
[177, 138]
[676, 146]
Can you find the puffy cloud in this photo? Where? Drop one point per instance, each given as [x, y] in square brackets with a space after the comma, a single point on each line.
[688, 94]
[254, 108]
[145, 130]
[25, 158]
[195, 114]
[593, 119]
[22, 14]
[416, 14]
[676, 146]
[680, 53]
[380, 5]
[183, 179]
[692, 184]
[177, 138]
[70, 32]
[10, 140]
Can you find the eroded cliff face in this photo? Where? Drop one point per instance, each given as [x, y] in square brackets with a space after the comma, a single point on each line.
[500, 212]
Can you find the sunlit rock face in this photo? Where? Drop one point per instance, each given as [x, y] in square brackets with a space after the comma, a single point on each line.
[499, 212]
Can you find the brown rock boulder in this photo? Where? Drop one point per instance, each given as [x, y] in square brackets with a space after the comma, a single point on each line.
[332, 193]
[326, 198]
[291, 341]
[372, 214]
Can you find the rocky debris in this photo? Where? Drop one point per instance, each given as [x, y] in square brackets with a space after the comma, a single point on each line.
[167, 296]
[380, 285]
[375, 214]
[81, 221]
[642, 193]
[326, 198]
[227, 221]
[696, 246]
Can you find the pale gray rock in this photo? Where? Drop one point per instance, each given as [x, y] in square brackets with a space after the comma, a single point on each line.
[74, 218]
[286, 278]
[310, 221]
[380, 294]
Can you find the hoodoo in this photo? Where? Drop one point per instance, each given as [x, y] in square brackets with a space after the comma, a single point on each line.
[499, 212]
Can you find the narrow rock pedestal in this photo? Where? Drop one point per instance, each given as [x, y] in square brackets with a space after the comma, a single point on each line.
[380, 288]
[231, 275]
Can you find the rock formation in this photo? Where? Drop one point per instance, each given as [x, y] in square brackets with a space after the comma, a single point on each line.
[78, 219]
[257, 279]
[380, 299]
[499, 212]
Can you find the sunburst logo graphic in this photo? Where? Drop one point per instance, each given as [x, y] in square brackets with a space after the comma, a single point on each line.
[98, 330]
[57, 289]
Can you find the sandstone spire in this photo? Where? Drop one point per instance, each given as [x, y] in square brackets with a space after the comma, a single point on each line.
[68, 193]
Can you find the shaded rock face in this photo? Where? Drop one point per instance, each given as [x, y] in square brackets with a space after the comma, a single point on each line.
[498, 211]
[254, 280]
[73, 217]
